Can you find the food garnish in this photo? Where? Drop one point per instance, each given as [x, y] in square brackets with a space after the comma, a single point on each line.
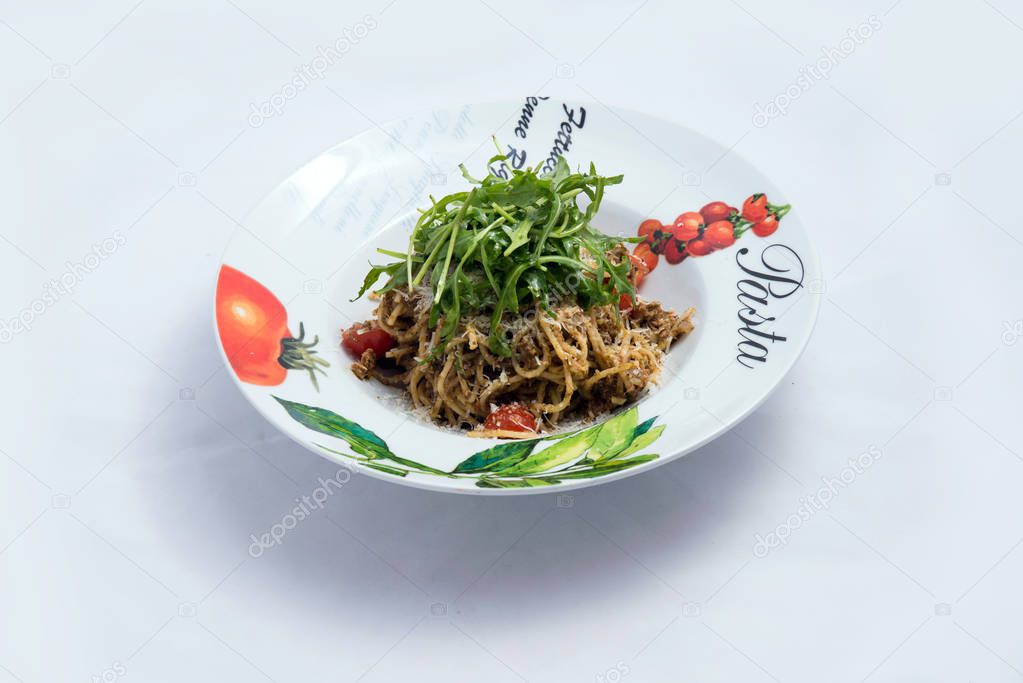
[507, 244]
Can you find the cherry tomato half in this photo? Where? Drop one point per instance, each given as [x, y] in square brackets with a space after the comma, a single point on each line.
[357, 338]
[513, 417]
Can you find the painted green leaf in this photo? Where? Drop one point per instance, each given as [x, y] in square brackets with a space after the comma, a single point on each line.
[502, 455]
[353, 456]
[327, 422]
[528, 482]
[555, 455]
[614, 436]
[361, 440]
[608, 467]
[644, 427]
[385, 468]
[366, 461]
[418, 466]
[562, 435]
[506, 465]
[641, 442]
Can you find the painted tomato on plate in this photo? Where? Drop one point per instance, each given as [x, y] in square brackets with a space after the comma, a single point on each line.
[253, 328]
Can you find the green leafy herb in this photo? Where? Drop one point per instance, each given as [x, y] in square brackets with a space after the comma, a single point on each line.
[507, 244]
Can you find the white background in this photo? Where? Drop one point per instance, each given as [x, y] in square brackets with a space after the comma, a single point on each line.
[133, 472]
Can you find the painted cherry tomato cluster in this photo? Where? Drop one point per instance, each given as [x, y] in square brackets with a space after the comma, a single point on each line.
[698, 233]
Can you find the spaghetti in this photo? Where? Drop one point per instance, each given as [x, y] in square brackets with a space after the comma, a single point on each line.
[565, 363]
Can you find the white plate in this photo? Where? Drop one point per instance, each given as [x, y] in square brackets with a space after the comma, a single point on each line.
[310, 240]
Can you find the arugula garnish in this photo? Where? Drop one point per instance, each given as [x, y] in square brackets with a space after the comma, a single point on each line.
[509, 243]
